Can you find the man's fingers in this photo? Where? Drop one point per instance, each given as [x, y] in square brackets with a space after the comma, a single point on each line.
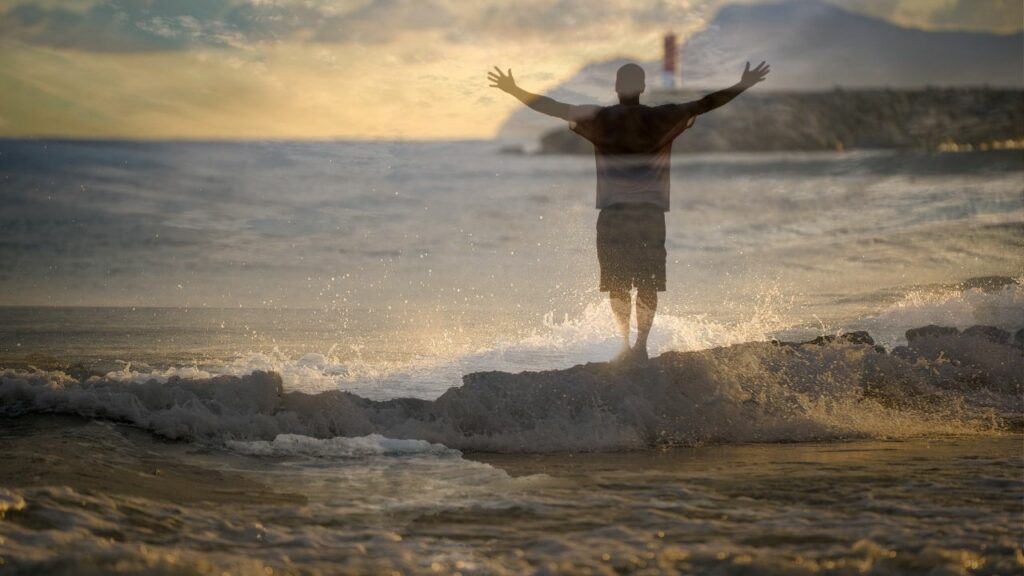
[509, 72]
[747, 68]
[495, 86]
[500, 73]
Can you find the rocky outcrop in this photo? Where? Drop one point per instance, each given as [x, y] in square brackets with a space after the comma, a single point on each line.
[990, 333]
[930, 331]
[830, 387]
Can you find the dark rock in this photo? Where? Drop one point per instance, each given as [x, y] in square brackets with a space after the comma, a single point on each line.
[1018, 338]
[930, 331]
[822, 340]
[990, 333]
[904, 353]
[1012, 422]
[988, 283]
[858, 337]
[819, 341]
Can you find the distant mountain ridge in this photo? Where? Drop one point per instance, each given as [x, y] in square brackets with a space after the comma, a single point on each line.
[815, 46]
[812, 46]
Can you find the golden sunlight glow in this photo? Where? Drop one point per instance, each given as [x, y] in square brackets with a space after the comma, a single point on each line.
[422, 80]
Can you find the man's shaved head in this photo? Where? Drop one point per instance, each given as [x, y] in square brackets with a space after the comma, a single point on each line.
[629, 81]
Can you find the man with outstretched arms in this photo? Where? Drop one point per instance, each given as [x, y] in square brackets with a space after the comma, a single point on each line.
[632, 150]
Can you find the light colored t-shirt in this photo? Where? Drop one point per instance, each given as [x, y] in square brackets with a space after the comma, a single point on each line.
[632, 149]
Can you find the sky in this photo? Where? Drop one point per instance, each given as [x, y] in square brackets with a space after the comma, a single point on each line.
[363, 69]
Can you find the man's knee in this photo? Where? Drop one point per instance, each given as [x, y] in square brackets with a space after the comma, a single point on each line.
[619, 294]
[647, 297]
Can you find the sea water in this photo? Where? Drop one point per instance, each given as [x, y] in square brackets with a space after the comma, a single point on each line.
[261, 303]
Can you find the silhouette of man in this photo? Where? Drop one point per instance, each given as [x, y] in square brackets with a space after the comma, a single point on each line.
[632, 149]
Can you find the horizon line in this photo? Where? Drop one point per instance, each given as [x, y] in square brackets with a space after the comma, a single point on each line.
[225, 138]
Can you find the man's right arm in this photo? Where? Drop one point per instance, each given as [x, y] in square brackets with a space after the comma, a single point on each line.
[543, 104]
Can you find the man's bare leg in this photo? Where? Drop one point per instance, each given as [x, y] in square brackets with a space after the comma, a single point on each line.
[622, 305]
[646, 305]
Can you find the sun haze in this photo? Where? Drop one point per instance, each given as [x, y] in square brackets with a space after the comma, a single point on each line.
[375, 69]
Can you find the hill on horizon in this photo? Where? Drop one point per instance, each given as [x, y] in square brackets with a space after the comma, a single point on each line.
[812, 46]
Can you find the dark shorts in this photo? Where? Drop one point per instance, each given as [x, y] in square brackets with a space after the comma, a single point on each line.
[631, 247]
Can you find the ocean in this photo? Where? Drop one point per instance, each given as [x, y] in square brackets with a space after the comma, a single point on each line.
[373, 357]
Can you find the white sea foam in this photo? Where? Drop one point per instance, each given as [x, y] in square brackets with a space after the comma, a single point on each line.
[556, 343]
[9, 501]
[369, 445]
[957, 306]
[744, 393]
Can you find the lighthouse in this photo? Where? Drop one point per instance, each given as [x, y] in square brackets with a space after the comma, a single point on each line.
[668, 68]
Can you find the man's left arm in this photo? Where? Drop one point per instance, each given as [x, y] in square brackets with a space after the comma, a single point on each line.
[723, 97]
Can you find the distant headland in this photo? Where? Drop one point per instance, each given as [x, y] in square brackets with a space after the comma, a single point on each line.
[936, 119]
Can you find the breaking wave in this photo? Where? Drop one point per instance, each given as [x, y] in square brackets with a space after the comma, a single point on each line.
[943, 382]
[988, 300]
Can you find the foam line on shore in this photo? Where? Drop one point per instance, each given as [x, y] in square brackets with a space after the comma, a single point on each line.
[946, 382]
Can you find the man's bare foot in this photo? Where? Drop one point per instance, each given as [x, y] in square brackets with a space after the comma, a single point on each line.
[638, 355]
[624, 354]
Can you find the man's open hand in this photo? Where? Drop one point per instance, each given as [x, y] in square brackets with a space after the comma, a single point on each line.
[751, 77]
[502, 81]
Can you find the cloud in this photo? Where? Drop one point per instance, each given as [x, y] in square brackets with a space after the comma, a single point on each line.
[165, 25]
[152, 25]
[544, 17]
[671, 12]
[121, 25]
[381, 20]
[326, 68]
[161, 25]
[982, 14]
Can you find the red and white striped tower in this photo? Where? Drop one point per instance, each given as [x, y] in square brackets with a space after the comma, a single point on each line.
[668, 68]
